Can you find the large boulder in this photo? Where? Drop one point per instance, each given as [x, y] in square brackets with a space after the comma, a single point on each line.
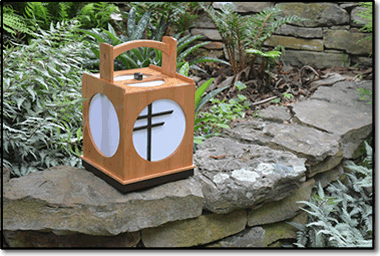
[236, 175]
[68, 200]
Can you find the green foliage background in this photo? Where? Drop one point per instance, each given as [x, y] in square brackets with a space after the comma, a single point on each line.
[42, 116]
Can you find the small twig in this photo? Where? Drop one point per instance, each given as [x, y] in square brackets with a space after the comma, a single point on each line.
[278, 82]
[264, 101]
[312, 69]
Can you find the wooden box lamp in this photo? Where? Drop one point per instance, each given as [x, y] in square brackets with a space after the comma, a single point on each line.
[138, 124]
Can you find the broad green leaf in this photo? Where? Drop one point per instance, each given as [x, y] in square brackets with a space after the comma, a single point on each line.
[199, 92]
[131, 22]
[207, 59]
[141, 26]
[240, 85]
[189, 50]
[96, 36]
[111, 30]
[184, 69]
[210, 95]
[198, 140]
[183, 42]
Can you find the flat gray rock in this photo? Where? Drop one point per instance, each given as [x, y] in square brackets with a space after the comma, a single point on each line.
[321, 149]
[235, 175]
[328, 117]
[351, 124]
[250, 237]
[346, 94]
[334, 78]
[276, 114]
[67, 199]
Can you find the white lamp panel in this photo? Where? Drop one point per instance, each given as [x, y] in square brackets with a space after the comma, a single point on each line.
[127, 77]
[104, 124]
[140, 137]
[166, 136]
[147, 84]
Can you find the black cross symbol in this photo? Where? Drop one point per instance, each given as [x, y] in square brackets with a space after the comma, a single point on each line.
[149, 126]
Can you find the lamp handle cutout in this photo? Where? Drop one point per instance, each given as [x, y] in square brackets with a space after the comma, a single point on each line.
[108, 53]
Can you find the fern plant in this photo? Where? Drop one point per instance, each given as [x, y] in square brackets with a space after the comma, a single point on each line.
[232, 28]
[341, 216]
[240, 33]
[367, 15]
[44, 13]
[96, 15]
[13, 23]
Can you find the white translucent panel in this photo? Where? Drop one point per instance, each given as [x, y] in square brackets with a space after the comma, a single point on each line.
[128, 77]
[104, 124]
[96, 75]
[147, 84]
[124, 77]
[165, 138]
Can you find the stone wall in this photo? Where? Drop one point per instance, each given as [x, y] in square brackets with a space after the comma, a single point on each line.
[329, 38]
[245, 189]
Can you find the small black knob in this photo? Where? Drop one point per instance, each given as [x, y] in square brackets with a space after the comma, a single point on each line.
[138, 76]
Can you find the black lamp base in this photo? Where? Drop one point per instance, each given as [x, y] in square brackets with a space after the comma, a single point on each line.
[137, 185]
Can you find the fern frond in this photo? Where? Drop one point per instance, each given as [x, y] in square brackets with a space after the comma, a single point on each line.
[13, 23]
[37, 11]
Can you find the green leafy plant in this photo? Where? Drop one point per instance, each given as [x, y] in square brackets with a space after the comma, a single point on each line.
[142, 57]
[187, 18]
[90, 15]
[44, 13]
[267, 58]
[231, 27]
[364, 94]
[240, 33]
[179, 15]
[42, 116]
[13, 23]
[96, 14]
[221, 113]
[341, 216]
[367, 15]
[201, 98]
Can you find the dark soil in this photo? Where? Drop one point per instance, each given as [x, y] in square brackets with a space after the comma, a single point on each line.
[284, 79]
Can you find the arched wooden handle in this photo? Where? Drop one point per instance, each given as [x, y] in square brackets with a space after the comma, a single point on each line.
[108, 53]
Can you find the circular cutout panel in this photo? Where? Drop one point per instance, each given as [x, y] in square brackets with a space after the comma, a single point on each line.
[104, 124]
[159, 129]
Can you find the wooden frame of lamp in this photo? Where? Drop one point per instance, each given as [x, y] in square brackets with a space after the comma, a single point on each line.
[126, 170]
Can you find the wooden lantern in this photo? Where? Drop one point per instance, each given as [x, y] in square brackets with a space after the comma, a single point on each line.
[138, 124]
